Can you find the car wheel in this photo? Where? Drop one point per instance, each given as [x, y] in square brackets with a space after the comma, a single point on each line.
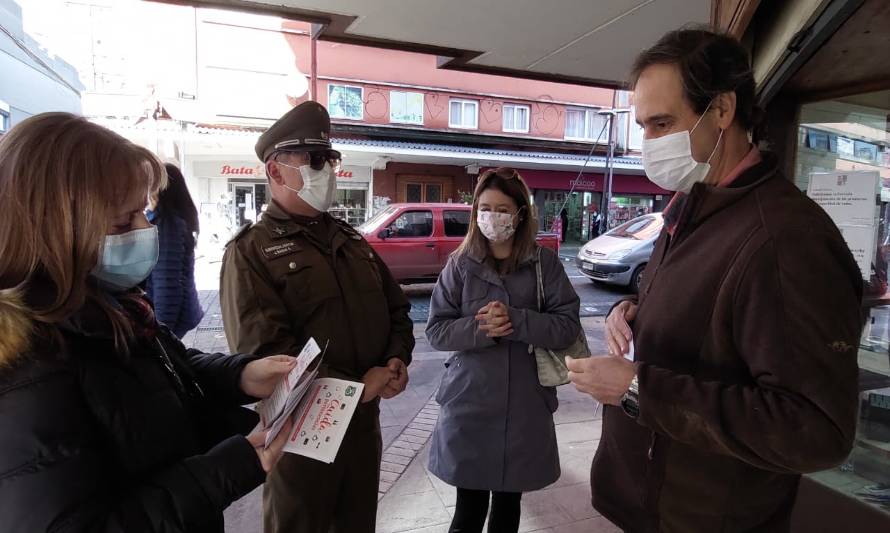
[636, 278]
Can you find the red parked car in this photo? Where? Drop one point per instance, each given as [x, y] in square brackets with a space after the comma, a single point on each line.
[415, 240]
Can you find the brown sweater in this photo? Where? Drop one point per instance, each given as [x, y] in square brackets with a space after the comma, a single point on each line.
[747, 334]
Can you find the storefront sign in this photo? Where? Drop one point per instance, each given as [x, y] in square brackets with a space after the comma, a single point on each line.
[583, 183]
[229, 169]
[556, 180]
[354, 177]
[851, 199]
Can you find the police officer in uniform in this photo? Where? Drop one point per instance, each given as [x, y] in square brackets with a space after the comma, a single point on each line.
[300, 273]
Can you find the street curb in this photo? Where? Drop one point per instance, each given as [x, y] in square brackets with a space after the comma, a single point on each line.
[404, 449]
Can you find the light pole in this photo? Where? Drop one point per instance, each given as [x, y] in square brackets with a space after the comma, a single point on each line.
[607, 189]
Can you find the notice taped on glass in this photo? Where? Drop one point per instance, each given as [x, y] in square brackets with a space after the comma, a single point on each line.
[852, 200]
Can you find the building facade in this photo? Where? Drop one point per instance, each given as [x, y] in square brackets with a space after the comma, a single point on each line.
[32, 80]
[408, 130]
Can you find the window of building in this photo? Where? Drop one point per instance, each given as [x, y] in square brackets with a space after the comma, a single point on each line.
[516, 118]
[406, 107]
[840, 146]
[848, 138]
[464, 114]
[635, 132]
[457, 223]
[412, 224]
[585, 124]
[346, 101]
[4, 117]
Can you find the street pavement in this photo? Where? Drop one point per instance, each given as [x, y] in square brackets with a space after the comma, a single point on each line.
[596, 299]
[411, 499]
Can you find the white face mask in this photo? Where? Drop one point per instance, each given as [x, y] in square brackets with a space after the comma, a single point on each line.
[668, 160]
[497, 227]
[318, 186]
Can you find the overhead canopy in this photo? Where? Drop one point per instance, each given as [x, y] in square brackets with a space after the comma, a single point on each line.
[577, 41]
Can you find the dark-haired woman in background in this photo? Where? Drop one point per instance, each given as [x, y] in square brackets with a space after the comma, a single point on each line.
[171, 285]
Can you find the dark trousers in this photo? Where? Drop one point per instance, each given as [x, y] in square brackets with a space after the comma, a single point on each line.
[303, 495]
[472, 508]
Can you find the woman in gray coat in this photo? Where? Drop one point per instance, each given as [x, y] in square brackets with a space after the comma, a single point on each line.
[495, 435]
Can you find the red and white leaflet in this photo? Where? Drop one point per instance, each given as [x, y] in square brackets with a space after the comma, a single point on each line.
[287, 394]
[323, 417]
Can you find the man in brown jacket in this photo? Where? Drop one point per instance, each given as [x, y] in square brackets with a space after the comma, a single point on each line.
[746, 327]
[299, 273]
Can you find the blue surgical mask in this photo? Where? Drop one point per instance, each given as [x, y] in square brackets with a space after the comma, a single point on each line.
[127, 259]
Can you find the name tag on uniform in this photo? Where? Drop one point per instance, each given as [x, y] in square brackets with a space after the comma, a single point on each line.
[278, 250]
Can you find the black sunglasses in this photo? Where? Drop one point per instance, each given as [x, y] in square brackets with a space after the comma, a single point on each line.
[318, 158]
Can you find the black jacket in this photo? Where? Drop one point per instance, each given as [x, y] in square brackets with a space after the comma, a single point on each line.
[91, 440]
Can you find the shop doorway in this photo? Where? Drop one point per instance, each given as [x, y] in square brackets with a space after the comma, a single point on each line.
[424, 189]
[628, 207]
[248, 202]
[350, 205]
[579, 207]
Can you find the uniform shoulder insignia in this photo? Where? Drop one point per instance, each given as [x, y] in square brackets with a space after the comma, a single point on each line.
[348, 228]
[241, 231]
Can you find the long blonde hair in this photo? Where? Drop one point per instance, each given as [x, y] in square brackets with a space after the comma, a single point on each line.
[62, 178]
[509, 182]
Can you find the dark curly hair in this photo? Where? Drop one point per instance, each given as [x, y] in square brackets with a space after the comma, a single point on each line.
[710, 63]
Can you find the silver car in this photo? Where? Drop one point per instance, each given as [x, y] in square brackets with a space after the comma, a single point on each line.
[619, 256]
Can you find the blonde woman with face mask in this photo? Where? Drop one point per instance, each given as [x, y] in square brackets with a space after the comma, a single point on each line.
[495, 437]
[108, 423]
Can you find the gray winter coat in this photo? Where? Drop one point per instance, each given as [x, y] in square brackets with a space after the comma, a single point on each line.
[495, 429]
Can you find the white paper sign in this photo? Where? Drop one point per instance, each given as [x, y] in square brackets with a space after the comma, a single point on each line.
[861, 240]
[847, 197]
[851, 199]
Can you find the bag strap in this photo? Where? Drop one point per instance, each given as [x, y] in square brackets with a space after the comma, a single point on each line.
[540, 280]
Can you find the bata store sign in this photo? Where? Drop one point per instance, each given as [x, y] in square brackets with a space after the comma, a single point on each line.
[354, 174]
[351, 177]
[256, 170]
[230, 169]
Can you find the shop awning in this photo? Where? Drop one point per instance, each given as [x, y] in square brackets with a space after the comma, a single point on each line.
[570, 41]
[367, 151]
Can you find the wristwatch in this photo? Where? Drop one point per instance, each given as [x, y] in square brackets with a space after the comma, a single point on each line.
[630, 402]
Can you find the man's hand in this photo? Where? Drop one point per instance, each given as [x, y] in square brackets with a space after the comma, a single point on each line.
[396, 386]
[259, 378]
[618, 332]
[494, 320]
[606, 378]
[376, 381]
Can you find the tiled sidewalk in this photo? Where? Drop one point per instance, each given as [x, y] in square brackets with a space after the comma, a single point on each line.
[418, 502]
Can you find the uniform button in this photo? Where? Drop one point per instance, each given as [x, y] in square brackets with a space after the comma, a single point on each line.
[292, 266]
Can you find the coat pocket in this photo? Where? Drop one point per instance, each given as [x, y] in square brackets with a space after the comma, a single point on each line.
[305, 287]
[446, 384]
